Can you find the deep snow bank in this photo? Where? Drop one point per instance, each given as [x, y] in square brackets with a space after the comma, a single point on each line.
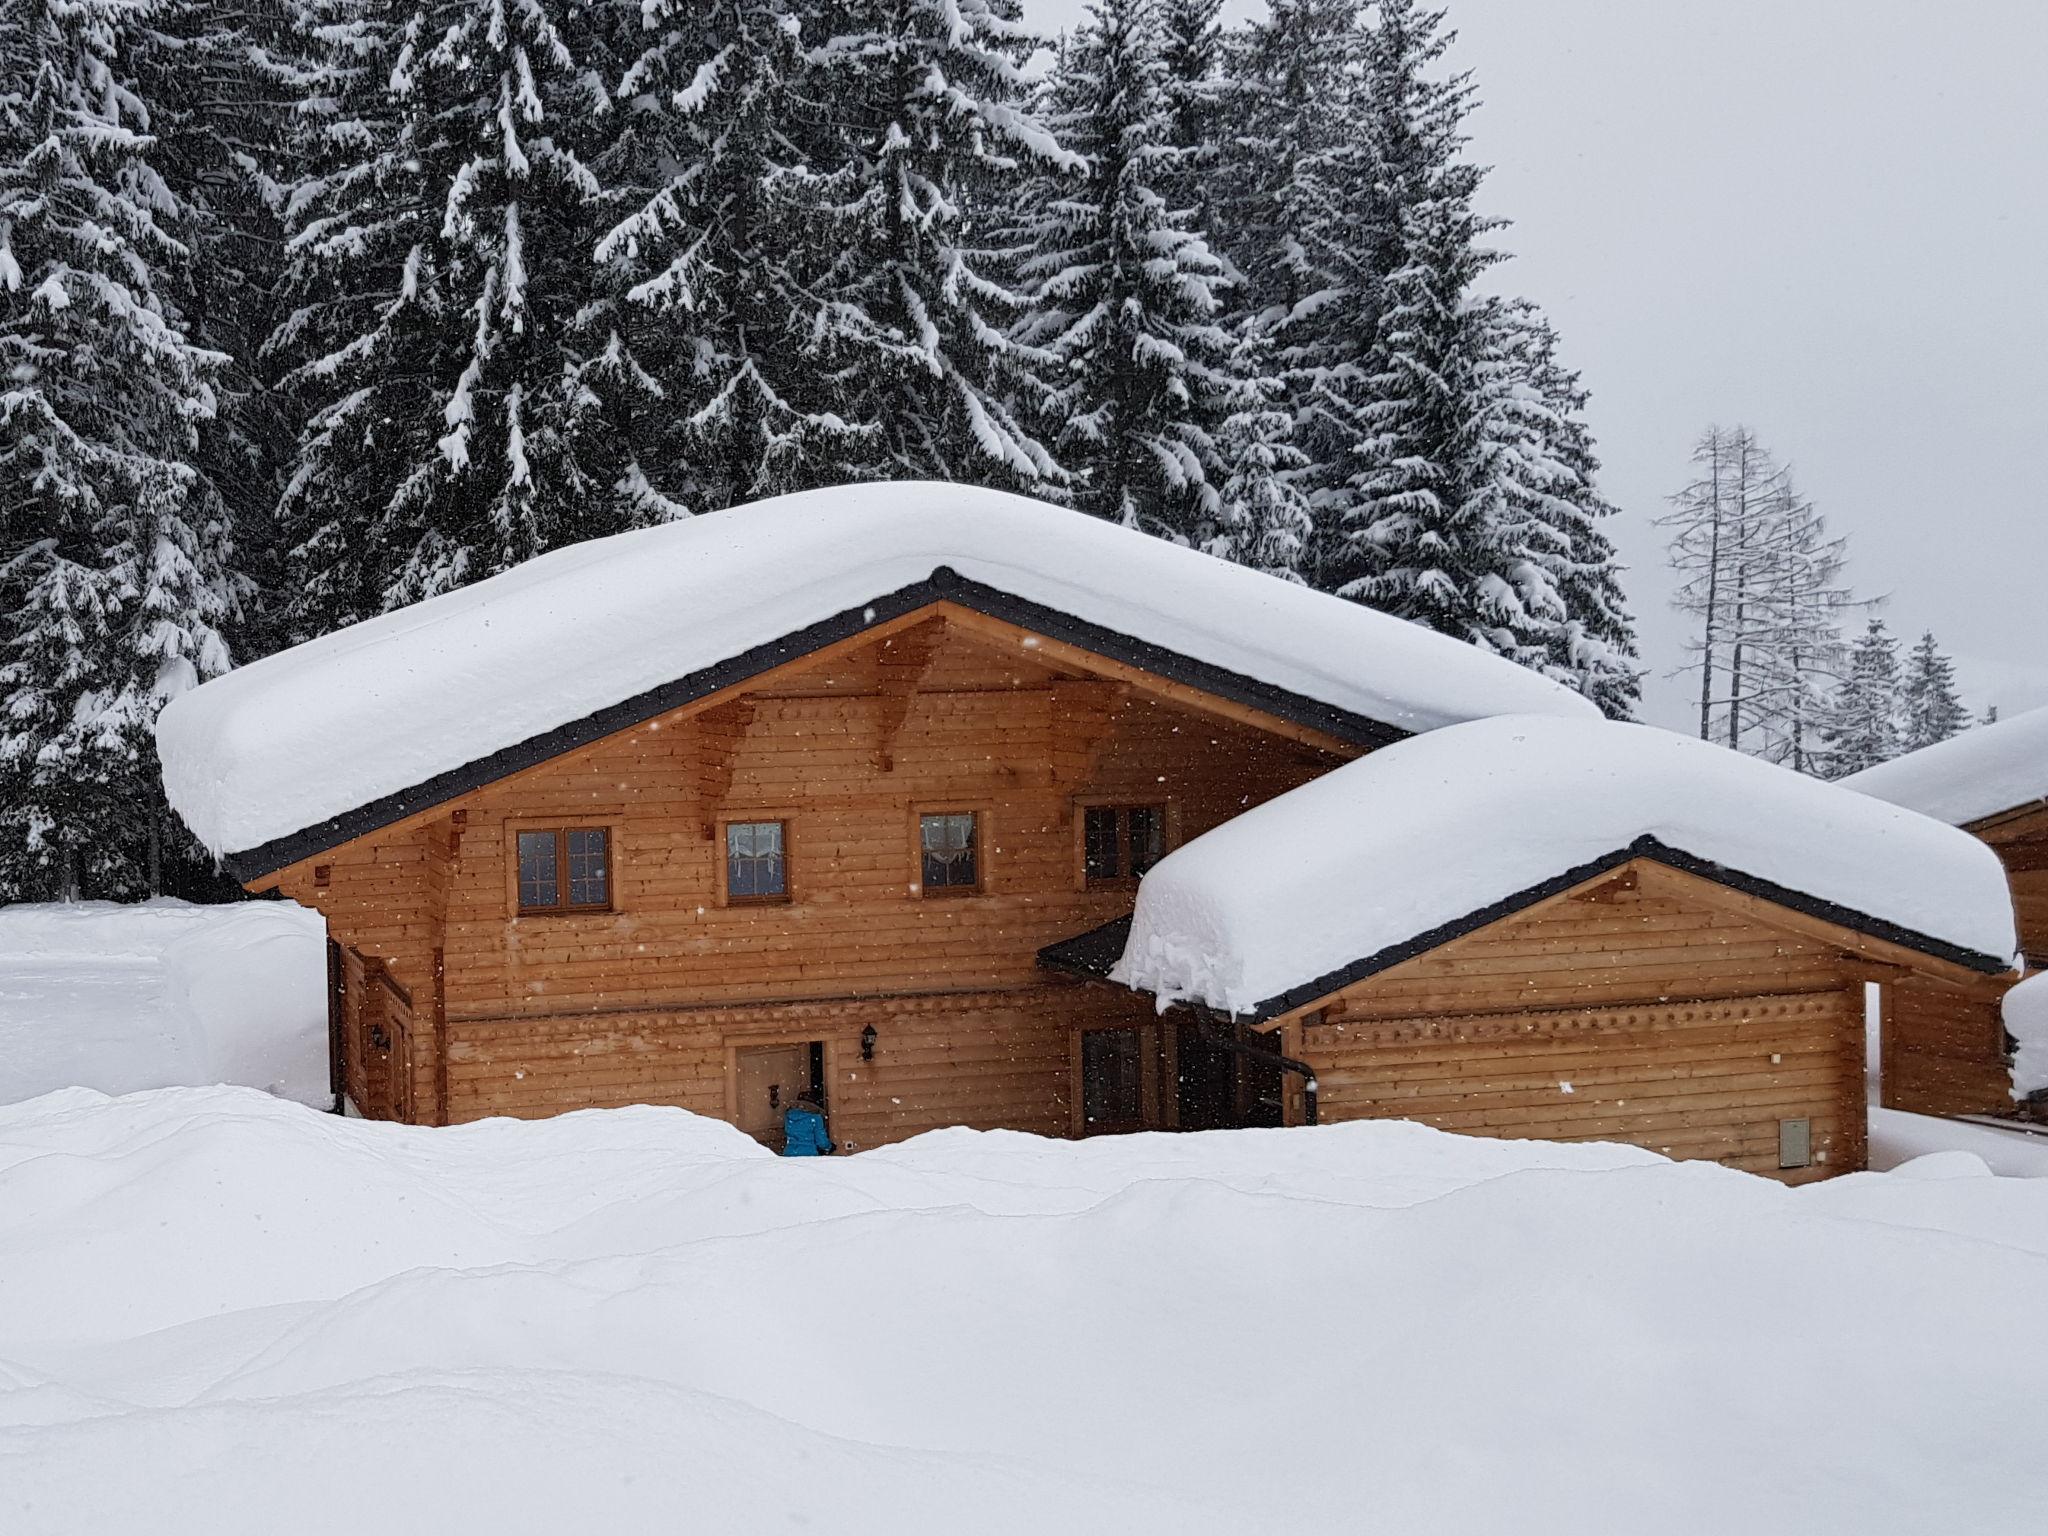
[162, 994]
[215, 1307]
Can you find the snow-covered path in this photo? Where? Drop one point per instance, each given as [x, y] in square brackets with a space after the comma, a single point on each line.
[216, 1308]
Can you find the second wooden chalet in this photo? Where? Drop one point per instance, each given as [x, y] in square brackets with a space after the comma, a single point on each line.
[793, 797]
[1945, 1048]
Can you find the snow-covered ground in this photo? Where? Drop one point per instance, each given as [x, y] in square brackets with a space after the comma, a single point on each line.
[162, 994]
[224, 1313]
[1897, 1137]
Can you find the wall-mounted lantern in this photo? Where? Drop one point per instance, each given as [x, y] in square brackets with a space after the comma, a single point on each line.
[867, 1043]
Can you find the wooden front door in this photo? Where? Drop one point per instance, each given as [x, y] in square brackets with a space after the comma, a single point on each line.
[770, 1078]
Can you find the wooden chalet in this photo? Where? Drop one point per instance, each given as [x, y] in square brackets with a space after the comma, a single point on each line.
[824, 793]
[1567, 930]
[1944, 1048]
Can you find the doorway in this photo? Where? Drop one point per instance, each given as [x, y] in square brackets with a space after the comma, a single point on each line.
[1222, 1083]
[769, 1078]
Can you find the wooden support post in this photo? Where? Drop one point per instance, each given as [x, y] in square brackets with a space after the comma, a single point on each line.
[719, 734]
[903, 662]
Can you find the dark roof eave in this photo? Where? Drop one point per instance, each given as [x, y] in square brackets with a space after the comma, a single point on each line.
[1090, 954]
[249, 865]
[1312, 992]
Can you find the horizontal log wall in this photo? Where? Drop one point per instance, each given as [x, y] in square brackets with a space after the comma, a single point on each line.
[1619, 945]
[1691, 1080]
[1942, 1048]
[1018, 746]
[1943, 1045]
[990, 1059]
[1660, 998]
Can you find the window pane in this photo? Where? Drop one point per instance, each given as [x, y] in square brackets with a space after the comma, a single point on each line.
[1101, 855]
[1109, 1077]
[537, 886]
[589, 878]
[1148, 836]
[949, 851]
[753, 859]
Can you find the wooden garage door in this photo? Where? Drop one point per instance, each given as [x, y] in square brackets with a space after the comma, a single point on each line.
[1712, 1080]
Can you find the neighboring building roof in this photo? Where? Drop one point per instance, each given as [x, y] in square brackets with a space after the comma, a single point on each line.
[299, 751]
[1985, 770]
[1430, 838]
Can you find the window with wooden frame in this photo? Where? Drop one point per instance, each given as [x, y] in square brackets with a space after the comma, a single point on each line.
[949, 853]
[565, 869]
[1120, 843]
[756, 862]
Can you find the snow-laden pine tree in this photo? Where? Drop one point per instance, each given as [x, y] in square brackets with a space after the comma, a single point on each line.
[1126, 293]
[1862, 728]
[711, 264]
[1198, 95]
[1294, 215]
[1591, 645]
[1932, 708]
[223, 96]
[927, 125]
[1263, 518]
[440, 266]
[115, 558]
[1417, 525]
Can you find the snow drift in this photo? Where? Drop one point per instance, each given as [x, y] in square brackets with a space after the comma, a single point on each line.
[216, 1308]
[305, 735]
[1436, 828]
[163, 994]
[1985, 770]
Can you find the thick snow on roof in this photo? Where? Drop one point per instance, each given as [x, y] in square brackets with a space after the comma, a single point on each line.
[1985, 770]
[334, 724]
[1436, 828]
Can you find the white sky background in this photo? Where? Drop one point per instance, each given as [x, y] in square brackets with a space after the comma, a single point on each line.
[1826, 219]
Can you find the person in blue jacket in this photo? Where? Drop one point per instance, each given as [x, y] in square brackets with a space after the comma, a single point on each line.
[803, 1128]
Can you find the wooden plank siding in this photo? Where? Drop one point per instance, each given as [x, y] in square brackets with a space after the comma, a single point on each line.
[1943, 1047]
[1681, 1019]
[1708, 1079]
[2020, 839]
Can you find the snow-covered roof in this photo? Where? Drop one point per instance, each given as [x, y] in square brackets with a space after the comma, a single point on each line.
[1355, 870]
[1985, 770]
[2026, 1019]
[382, 708]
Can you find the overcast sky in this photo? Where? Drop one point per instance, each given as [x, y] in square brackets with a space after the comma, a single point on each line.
[1826, 219]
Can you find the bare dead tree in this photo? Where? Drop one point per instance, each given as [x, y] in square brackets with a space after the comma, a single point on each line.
[1761, 573]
